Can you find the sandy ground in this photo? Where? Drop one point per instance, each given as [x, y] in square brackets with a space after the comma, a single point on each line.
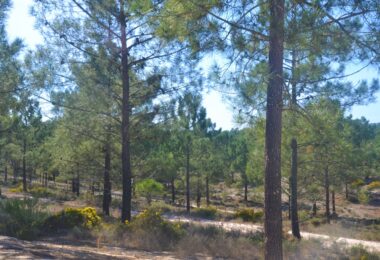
[12, 248]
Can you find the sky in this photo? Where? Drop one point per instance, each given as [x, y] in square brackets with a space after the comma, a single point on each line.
[21, 24]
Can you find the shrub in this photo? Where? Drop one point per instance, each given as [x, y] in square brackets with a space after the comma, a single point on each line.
[21, 218]
[248, 214]
[316, 221]
[149, 188]
[70, 218]
[373, 185]
[363, 196]
[40, 192]
[148, 230]
[207, 213]
[357, 183]
[17, 188]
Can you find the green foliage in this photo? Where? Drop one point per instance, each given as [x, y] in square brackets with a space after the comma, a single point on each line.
[17, 189]
[206, 213]
[149, 188]
[357, 183]
[363, 196]
[151, 230]
[358, 252]
[40, 192]
[248, 214]
[23, 219]
[73, 217]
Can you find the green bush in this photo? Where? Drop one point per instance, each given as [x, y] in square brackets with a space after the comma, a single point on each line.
[17, 188]
[148, 230]
[40, 192]
[21, 218]
[207, 213]
[149, 188]
[70, 218]
[358, 252]
[357, 183]
[363, 196]
[248, 214]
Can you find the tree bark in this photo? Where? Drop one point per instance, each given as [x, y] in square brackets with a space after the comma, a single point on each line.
[24, 185]
[198, 192]
[333, 202]
[207, 192]
[106, 181]
[314, 209]
[5, 174]
[245, 190]
[125, 126]
[173, 190]
[346, 190]
[327, 194]
[188, 176]
[293, 190]
[273, 213]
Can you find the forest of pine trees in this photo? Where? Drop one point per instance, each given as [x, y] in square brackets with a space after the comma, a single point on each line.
[111, 104]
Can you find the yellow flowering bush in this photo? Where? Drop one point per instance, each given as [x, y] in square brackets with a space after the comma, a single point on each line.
[74, 217]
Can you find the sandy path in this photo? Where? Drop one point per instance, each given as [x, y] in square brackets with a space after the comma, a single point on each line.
[328, 241]
[12, 248]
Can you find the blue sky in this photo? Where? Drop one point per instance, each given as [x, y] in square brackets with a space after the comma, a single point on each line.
[21, 24]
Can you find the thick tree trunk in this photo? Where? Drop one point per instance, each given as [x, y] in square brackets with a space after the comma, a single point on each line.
[293, 190]
[24, 185]
[198, 192]
[125, 126]
[207, 192]
[273, 213]
[173, 190]
[77, 181]
[106, 181]
[188, 177]
[289, 201]
[327, 194]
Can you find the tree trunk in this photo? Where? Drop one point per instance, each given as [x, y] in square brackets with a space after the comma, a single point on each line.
[198, 192]
[314, 209]
[293, 190]
[245, 190]
[106, 182]
[5, 174]
[327, 194]
[273, 213]
[289, 201]
[346, 190]
[125, 128]
[188, 177]
[77, 181]
[173, 190]
[24, 185]
[207, 192]
[333, 202]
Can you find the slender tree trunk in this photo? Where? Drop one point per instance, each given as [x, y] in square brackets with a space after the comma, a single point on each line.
[289, 201]
[188, 176]
[314, 209]
[245, 190]
[106, 182]
[198, 192]
[125, 126]
[207, 192]
[346, 190]
[293, 196]
[77, 181]
[333, 202]
[173, 190]
[327, 194]
[273, 213]
[24, 185]
[5, 174]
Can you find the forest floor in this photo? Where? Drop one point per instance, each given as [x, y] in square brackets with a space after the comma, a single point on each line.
[330, 235]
